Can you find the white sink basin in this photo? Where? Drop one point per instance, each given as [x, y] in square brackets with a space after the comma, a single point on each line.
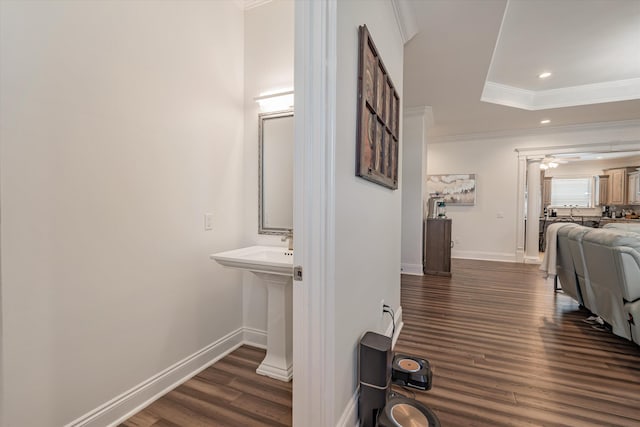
[274, 265]
[258, 259]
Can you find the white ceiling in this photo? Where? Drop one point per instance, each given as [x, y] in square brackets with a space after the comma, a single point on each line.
[464, 47]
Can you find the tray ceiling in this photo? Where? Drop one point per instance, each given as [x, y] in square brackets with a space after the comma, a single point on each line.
[467, 52]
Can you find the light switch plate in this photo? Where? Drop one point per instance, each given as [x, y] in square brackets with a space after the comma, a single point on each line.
[208, 221]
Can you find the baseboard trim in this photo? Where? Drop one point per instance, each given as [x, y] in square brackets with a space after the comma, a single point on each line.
[413, 269]
[137, 398]
[399, 325]
[532, 260]
[255, 337]
[484, 256]
[349, 417]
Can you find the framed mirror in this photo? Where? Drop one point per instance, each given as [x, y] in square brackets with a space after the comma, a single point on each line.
[275, 195]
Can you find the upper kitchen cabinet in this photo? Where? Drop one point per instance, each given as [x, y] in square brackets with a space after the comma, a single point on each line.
[603, 190]
[633, 188]
[617, 186]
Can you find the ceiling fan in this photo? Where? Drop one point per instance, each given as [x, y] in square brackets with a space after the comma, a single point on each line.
[550, 162]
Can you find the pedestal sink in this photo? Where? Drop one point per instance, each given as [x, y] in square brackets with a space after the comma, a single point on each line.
[274, 265]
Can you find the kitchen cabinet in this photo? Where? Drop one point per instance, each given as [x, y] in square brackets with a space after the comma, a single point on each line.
[603, 188]
[437, 247]
[633, 188]
[617, 187]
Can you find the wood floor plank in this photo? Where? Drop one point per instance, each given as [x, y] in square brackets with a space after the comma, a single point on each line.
[164, 423]
[226, 394]
[495, 330]
[504, 348]
[270, 410]
[141, 419]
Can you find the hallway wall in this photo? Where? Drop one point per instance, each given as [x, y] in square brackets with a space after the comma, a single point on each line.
[368, 216]
[122, 125]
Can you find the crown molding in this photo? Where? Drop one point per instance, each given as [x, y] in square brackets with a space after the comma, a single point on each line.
[417, 111]
[595, 93]
[536, 132]
[252, 4]
[424, 112]
[405, 19]
[538, 153]
[508, 96]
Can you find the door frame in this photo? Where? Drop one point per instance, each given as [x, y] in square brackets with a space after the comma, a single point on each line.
[314, 213]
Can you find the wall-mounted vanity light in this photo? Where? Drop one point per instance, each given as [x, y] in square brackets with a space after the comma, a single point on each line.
[275, 101]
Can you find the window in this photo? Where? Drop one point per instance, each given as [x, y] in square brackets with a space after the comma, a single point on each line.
[572, 192]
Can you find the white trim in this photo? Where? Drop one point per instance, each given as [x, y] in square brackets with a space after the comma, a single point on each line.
[532, 100]
[399, 326]
[252, 4]
[609, 147]
[426, 112]
[534, 204]
[485, 256]
[527, 133]
[412, 269]
[275, 372]
[520, 200]
[272, 95]
[314, 213]
[140, 396]
[254, 337]
[405, 18]
[509, 96]
[532, 260]
[349, 417]
[415, 111]
[594, 93]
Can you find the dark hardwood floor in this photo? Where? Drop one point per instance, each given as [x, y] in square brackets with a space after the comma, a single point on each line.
[504, 348]
[228, 393]
[507, 351]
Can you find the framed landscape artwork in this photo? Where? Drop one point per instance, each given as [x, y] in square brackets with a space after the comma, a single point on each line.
[378, 118]
[457, 189]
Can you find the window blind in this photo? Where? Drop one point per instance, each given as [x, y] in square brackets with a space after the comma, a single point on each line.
[572, 192]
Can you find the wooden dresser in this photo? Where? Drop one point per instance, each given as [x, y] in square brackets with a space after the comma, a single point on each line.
[437, 247]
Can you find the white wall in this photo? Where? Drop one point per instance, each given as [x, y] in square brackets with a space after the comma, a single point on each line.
[122, 125]
[477, 231]
[414, 158]
[368, 216]
[268, 57]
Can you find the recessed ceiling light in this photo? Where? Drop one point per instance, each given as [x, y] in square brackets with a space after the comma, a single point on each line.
[545, 121]
[544, 75]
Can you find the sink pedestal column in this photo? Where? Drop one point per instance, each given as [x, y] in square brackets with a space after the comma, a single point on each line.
[278, 363]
